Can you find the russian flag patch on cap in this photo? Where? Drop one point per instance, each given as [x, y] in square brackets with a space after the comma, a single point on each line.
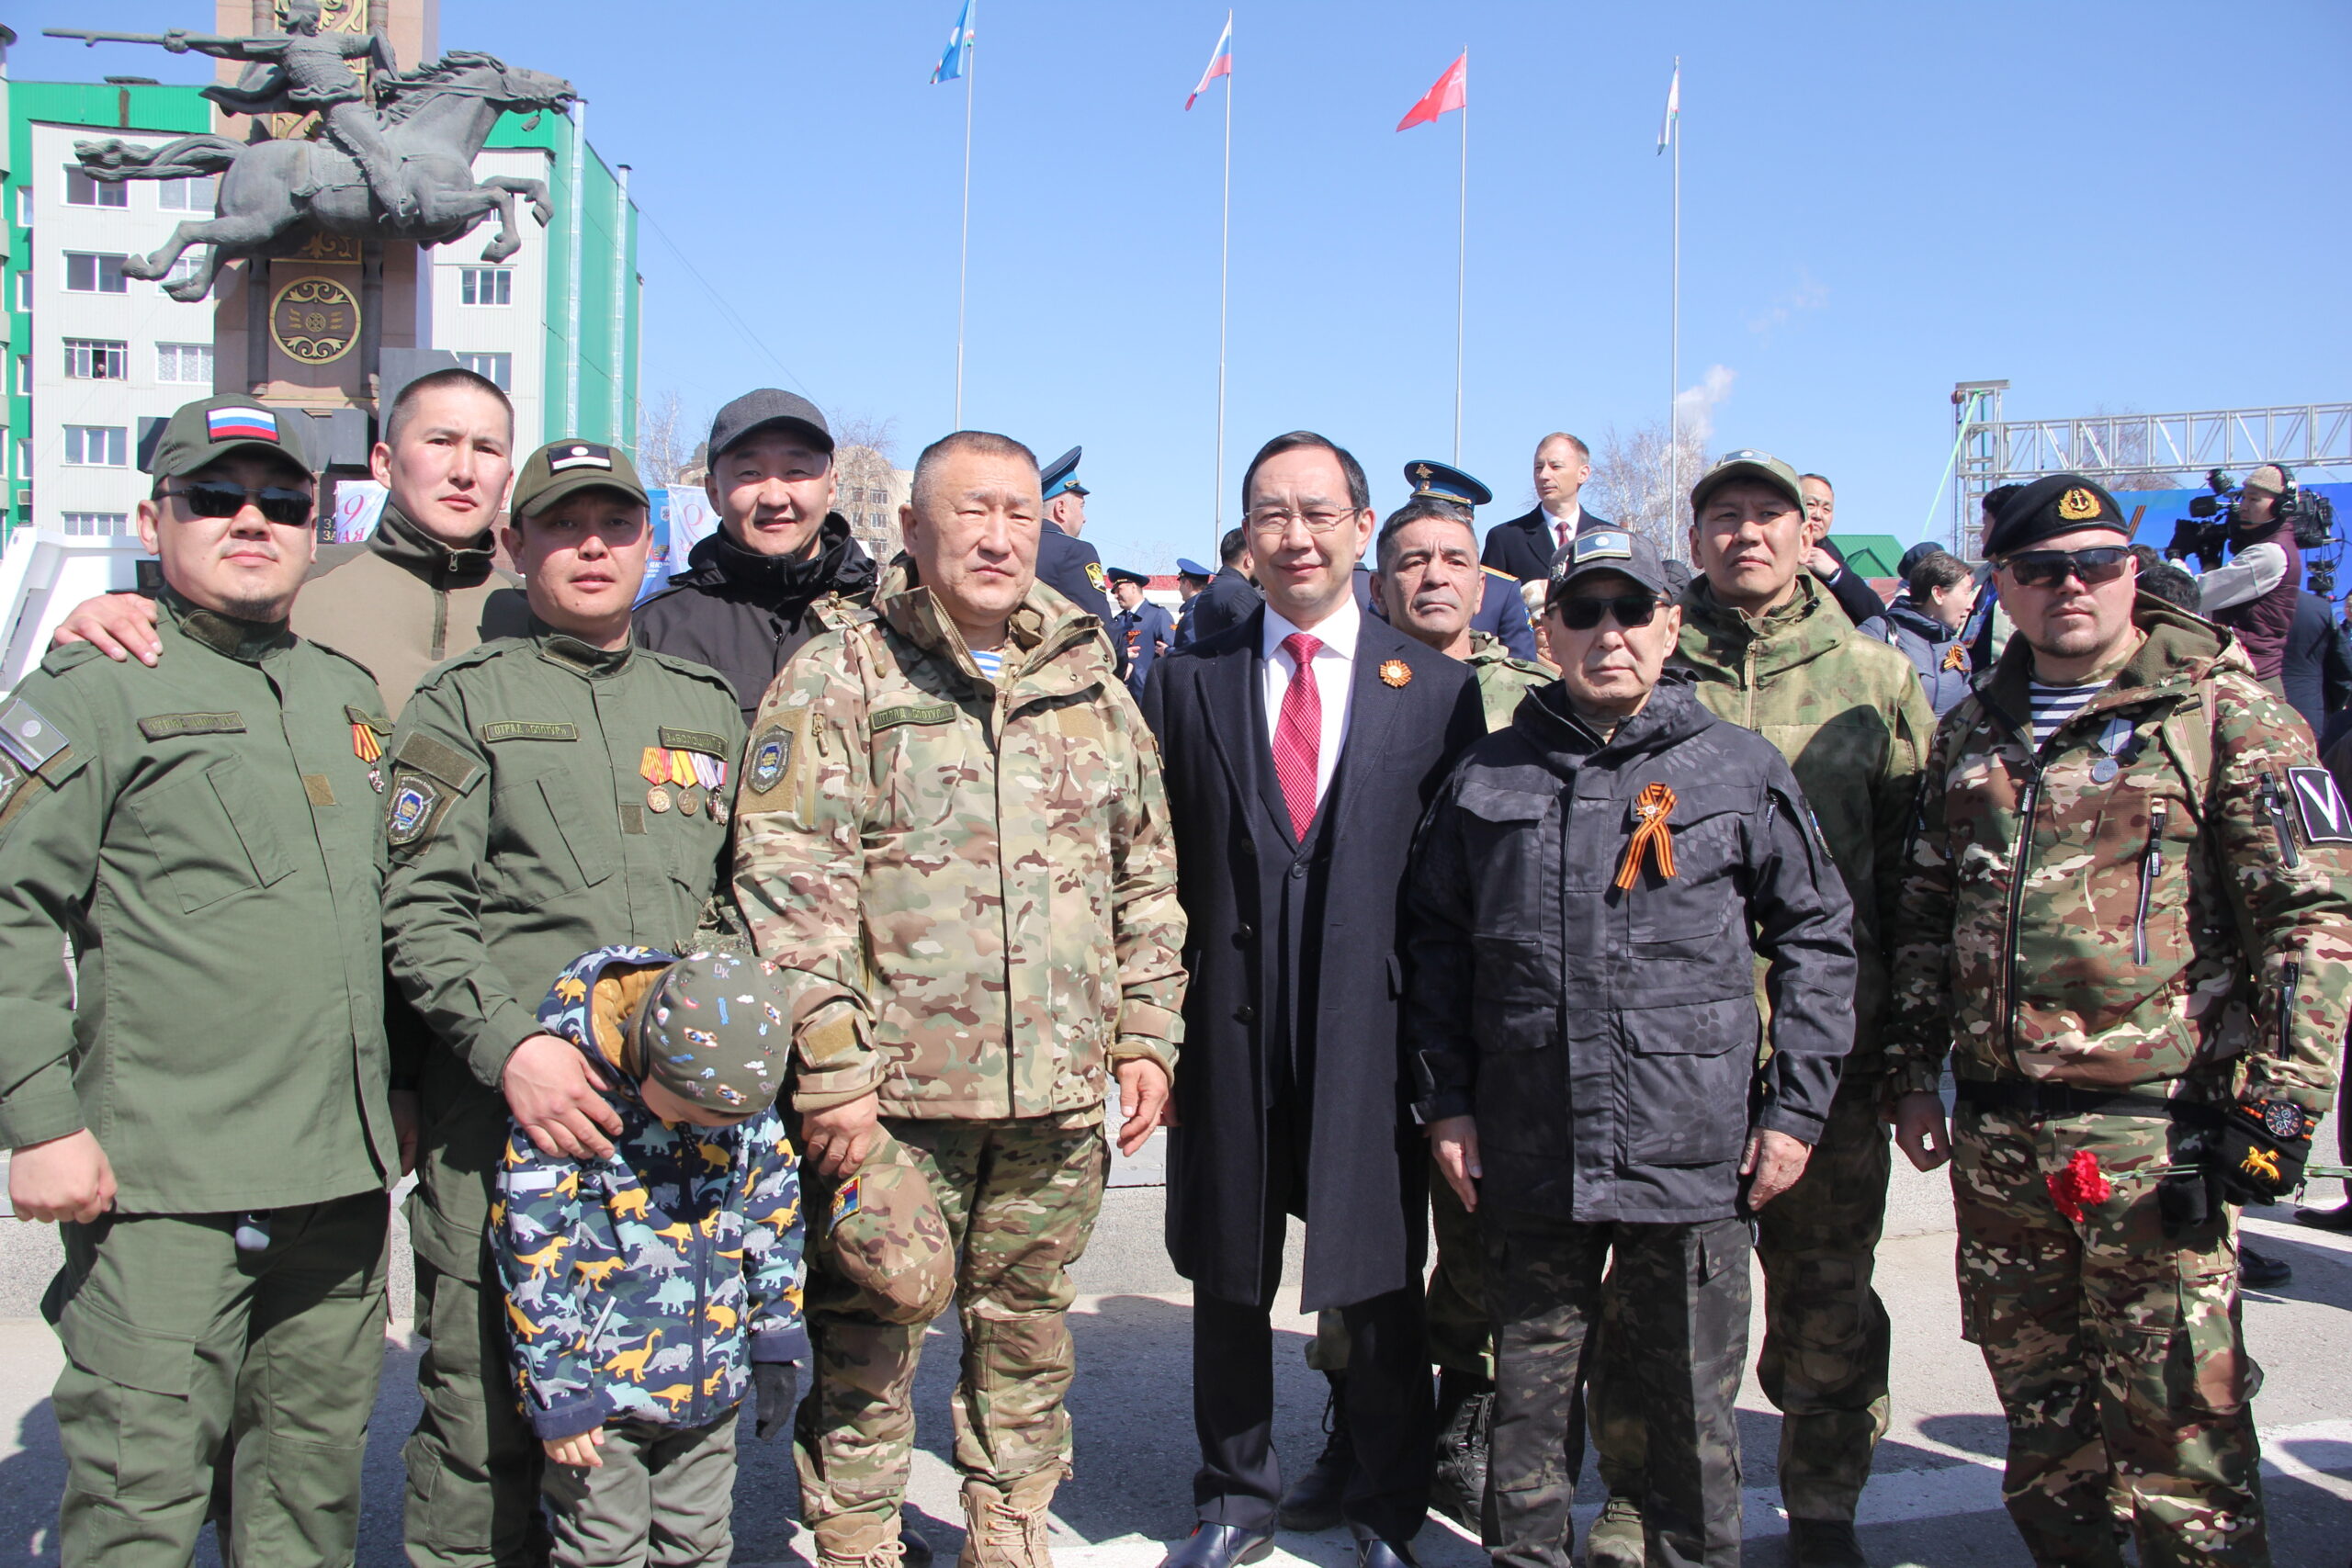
[241, 424]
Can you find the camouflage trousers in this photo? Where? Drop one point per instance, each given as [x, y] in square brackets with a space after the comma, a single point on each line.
[1677, 1361]
[1462, 1334]
[1823, 1363]
[2115, 1348]
[1020, 1199]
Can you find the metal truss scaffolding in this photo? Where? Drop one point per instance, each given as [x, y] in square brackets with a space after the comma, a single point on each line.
[2181, 447]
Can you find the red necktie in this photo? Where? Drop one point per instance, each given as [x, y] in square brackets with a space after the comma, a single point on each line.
[1561, 529]
[1299, 731]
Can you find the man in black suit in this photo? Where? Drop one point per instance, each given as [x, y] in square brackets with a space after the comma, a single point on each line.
[1524, 545]
[1300, 749]
[1230, 598]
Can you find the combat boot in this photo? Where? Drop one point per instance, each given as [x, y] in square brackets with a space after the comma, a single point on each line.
[1004, 1527]
[1314, 1503]
[1466, 1411]
[859, 1541]
[1615, 1540]
[1824, 1543]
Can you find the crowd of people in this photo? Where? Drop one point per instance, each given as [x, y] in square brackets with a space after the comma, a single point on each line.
[751, 974]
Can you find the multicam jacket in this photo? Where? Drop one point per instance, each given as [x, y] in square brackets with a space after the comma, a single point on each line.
[1502, 679]
[2157, 896]
[976, 878]
[1846, 710]
[641, 1287]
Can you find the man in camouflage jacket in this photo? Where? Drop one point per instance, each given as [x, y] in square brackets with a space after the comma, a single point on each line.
[953, 831]
[2125, 918]
[1771, 652]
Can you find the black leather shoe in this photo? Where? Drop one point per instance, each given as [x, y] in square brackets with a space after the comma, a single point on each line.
[1314, 1503]
[2260, 1271]
[1218, 1546]
[2336, 1219]
[1824, 1543]
[1374, 1552]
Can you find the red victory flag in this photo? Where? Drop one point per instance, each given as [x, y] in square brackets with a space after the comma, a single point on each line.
[1452, 91]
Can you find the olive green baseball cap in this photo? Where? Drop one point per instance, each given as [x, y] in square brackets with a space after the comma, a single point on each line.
[566, 468]
[1758, 468]
[209, 430]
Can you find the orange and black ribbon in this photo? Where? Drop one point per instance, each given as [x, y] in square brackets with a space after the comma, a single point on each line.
[1651, 807]
[363, 744]
[1956, 656]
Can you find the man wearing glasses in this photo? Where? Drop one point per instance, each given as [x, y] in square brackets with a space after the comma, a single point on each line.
[1300, 748]
[1771, 652]
[202, 1105]
[1587, 901]
[2125, 920]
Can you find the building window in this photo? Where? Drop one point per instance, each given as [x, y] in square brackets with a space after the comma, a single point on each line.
[24, 375]
[96, 359]
[498, 369]
[88, 274]
[486, 286]
[24, 207]
[81, 190]
[24, 282]
[96, 446]
[189, 363]
[185, 196]
[97, 524]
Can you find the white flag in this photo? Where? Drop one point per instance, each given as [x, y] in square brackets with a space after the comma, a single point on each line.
[1673, 109]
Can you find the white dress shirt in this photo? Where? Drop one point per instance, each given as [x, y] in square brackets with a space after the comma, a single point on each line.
[1575, 520]
[1335, 664]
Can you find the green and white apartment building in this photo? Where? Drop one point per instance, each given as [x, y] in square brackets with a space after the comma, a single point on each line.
[95, 359]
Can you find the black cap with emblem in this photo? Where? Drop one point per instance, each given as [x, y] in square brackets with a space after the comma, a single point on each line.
[2062, 504]
[565, 468]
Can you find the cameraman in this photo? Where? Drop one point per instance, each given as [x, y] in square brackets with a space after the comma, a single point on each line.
[2254, 596]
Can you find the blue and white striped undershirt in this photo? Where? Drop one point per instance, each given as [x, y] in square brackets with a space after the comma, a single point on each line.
[2053, 705]
[991, 662]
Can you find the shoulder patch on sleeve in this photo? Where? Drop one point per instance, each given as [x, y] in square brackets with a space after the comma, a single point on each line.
[417, 803]
[2319, 806]
[1095, 575]
[27, 736]
[18, 789]
[770, 753]
[419, 752]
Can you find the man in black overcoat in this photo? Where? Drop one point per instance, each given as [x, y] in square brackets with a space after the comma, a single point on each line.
[1300, 749]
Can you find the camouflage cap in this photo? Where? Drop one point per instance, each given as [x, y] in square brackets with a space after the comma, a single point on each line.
[209, 430]
[712, 1030]
[887, 1236]
[1757, 468]
[566, 468]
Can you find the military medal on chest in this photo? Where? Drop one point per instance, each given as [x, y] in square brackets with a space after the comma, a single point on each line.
[2114, 742]
[654, 767]
[366, 744]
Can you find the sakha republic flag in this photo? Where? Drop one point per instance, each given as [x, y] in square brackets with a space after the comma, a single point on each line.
[1220, 63]
[959, 44]
[1452, 91]
[1666, 127]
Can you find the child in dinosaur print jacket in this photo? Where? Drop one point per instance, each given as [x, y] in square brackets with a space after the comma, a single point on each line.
[647, 1291]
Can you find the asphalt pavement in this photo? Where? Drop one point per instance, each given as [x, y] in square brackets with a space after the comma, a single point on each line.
[1934, 1498]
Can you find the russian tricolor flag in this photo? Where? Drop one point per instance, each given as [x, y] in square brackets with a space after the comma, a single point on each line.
[1220, 64]
[241, 424]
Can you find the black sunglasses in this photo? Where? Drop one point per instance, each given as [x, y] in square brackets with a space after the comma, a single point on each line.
[1626, 610]
[207, 498]
[2048, 568]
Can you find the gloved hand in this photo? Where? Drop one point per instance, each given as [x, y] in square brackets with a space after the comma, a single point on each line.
[2259, 1154]
[779, 1383]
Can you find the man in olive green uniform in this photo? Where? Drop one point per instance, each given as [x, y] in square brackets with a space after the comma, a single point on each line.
[425, 586]
[954, 836]
[203, 1103]
[548, 795]
[1770, 651]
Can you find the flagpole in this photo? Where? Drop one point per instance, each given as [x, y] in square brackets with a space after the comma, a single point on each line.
[1462, 259]
[964, 245]
[1223, 286]
[1674, 330]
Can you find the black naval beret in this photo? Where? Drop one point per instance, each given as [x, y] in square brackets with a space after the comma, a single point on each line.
[2048, 507]
[1440, 481]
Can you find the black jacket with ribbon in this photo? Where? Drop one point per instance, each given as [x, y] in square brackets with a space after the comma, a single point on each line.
[1585, 987]
[744, 615]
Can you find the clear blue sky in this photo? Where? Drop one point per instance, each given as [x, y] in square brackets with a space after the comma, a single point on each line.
[2113, 206]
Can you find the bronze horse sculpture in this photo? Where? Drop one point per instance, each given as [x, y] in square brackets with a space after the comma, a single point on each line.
[437, 116]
